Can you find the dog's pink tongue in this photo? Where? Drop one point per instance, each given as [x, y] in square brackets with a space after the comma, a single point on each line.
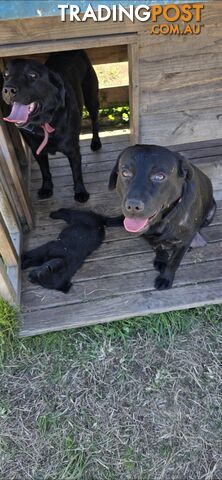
[19, 113]
[135, 224]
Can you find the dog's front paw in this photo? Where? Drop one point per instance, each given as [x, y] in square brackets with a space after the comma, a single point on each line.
[159, 265]
[96, 145]
[160, 261]
[46, 190]
[81, 197]
[163, 283]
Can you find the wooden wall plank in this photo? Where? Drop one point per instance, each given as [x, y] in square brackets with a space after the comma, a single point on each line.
[181, 83]
[7, 249]
[113, 54]
[46, 30]
[101, 311]
[180, 91]
[182, 126]
[98, 56]
[6, 289]
[114, 96]
[134, 91]
[46, 46]
[10, 166]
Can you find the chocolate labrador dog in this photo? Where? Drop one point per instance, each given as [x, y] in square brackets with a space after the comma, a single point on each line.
[47, 102]
[57, 261]
[166, 199]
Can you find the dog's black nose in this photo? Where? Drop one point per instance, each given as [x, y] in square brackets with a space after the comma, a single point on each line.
[10, 91]
[134, 205]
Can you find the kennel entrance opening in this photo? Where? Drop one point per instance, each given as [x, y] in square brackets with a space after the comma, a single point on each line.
[16, 157]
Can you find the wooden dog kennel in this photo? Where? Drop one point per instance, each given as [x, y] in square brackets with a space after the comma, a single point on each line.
[175, 97]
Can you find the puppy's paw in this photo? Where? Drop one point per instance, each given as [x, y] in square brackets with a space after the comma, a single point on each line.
[46, 190]
[81, 197]
[96, 145]
[163, 283]
[56, 214]
[33, 277]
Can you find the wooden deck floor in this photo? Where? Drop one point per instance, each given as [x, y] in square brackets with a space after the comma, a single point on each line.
[116, 281]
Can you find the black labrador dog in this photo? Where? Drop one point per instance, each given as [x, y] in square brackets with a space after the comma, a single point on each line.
[57, 261]
[47, 102]
[166, 199]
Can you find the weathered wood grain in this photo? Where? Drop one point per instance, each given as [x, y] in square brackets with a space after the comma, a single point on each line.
[7, 248]
[180, 83]
[113, 54]
[184, 125]
[10, 168]
[102, 311]
[134, 271]
[117, 280]
[7, 290]
[114, 96]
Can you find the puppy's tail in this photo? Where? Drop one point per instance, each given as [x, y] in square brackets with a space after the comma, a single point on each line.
[113, 221]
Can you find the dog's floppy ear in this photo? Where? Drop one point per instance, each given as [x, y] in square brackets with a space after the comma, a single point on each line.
[114, 174]
[56, 80]
[185, 168]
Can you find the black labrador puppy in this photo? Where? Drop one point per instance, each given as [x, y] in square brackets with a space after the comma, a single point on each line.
[166, 199]
[47, 102]
[57, 261]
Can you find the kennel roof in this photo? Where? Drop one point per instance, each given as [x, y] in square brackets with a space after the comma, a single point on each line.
[42, 8]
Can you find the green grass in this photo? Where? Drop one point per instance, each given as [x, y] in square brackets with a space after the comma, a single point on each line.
[162, 327]
[8, 327]
[136, 399]
[116, 116]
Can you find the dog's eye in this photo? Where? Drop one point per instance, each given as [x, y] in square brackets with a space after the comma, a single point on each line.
[126, 173]
[32, 75]
[158, 177]
[5, 74]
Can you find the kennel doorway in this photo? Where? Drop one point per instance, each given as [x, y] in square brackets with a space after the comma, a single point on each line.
[16, 158]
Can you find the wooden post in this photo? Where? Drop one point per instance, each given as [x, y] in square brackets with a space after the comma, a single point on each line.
[7, 248]
[133, 57]
[10, 245]
[10, 167]
[6, 289]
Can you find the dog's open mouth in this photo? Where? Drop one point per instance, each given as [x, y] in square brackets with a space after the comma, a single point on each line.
[136, 224]
[20, 113]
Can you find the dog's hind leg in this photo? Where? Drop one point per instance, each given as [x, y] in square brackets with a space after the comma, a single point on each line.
[210, 215]
[46, 189]
[36, 256]
[46, 269]
[81, 195]
[91, 99]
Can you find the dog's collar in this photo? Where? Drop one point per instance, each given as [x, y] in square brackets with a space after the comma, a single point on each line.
[29, 128]
[171, 207]
[47, 129]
